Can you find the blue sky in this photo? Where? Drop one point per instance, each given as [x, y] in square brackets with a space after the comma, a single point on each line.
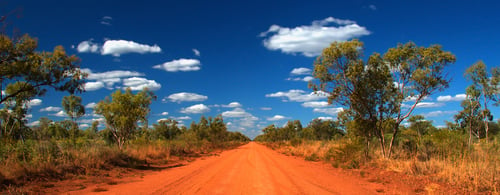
[246, 60]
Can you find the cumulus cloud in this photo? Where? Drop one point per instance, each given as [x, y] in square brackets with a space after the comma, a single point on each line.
[34, 102]
[59, 114]
[182, 64]
[232, 105]
[424, 105]
[236, 113]
[82, 126]
[310, 40]
[34, 123]
[119, 47]
[126, 78]
[164, 113]
[315, 104]
[51, 109]
[330, 111]
[94, 86]
[438, 113]
[185, 97]
[297, 95]
[181, 118]
[116, 47]
[241, 119]
[266, 108]
[90, 105]
[276, 118]
[88, 47]
[196, 109]
[301, 71]
[196, 52]
[137, 84]
[103, 76]
[448, 98]
[305, 79]
[325, 118]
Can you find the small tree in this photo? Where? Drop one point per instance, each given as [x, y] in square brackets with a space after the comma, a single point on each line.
[123, 111]
[470, 117]
[487, 85]
[74, 108]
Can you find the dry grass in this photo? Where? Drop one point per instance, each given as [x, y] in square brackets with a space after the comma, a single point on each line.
[475, 172]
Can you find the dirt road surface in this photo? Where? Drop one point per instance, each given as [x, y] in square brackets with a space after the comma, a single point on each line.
[249, 169]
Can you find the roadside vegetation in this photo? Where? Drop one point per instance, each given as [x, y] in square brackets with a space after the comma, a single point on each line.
[60, 149]
[378, 96]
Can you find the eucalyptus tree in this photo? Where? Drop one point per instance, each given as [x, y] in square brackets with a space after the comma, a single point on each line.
[364, 88]
[123, 111]
[487, 85]
[26, 73]
[373, 91]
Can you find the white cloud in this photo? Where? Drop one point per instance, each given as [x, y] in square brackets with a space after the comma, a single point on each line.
[82, 126]
[88, 47]
[51, 109]
[266, 108]
[232, 105]
[196, 52]
[429, 105]
[447, 98]
[106, 20]
[330, 111]
[180, 65]
[315, 104]
[196, 109]
[108, 78]
[305, 79]
[34, 123]
[164, 113]
[119, 47]
[90, 105]
[181, 118]
[93, 86]
[310, 40]
[236, 113]
[301, 71]
[105, 76]
[298, 95]
[137, 83]
[59, 114]
[276, 118]
[185, 97]
[325, 118]
[34, 102]
[372, 7]
[438, 113]
[424, 105]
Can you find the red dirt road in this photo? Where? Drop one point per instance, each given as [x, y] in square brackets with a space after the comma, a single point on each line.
[249, 169]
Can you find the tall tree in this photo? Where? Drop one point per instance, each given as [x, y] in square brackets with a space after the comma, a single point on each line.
[364, 88]
[22, 69]
[123, 111]
[374, 91]
[418, 72]
[470, 117]
[487, 84]
[26, 73]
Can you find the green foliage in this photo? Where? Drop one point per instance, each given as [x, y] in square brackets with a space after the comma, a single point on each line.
[123, 111]
[485, 87]
[373, 91]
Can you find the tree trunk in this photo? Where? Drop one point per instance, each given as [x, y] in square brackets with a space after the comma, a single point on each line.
[394, 134]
